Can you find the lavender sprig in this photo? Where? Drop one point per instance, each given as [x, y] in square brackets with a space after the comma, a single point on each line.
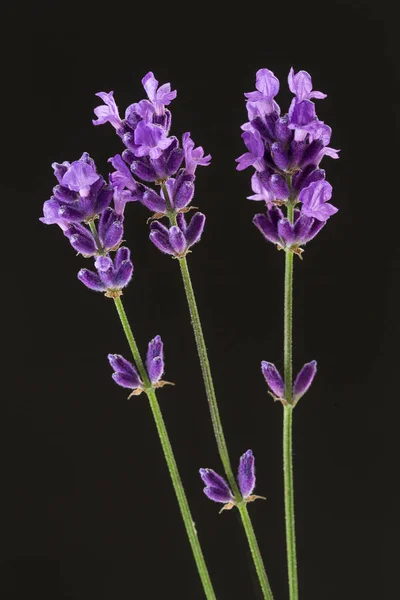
[286, 152]
[80, 198]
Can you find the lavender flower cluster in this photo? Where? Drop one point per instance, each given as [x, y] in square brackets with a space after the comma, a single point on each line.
[152, 155]
[286, 152]
[126, 375]
[218, 490]
[82, 196]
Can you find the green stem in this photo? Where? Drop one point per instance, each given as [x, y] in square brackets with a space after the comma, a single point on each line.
[208, 382]
[255, 551]
[289, 502]
[96, 236]
[287, 424]
[169, 455]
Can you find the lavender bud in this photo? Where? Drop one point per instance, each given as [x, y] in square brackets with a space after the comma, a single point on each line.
[155, 359]
[303, 380]
[246, 474]
[273, 379]
[279, 187]
[216, 488]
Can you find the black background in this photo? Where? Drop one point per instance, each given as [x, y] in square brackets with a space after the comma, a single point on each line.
[90, 508]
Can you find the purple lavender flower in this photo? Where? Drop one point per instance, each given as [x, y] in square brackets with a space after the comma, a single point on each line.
[315, 201]
[302, 118]
[111, 276]
[51, 215]
[177, 240]
[268, 87]
[246, 474]
[110, 232]
[301, 384]
[81, 239]
[303, 380]
[319, 132]
[107, 112]
[218, 490]
[287, 236]
[79, 177]
[255, 154]
[155, 359]
[260, 191]
[126, 189]
[158, 96]
[155, 362]
[125, 374]
[300, 84]
[150, 154]
[285, 153]
[81, 194]
[273, 378]
[150, 140]
[156, 169]
[193, 156]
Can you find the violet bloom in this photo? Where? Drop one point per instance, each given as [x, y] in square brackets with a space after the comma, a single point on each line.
[180, 190]
[51, 215]
[126, 189]
[319, 132]
[300, 84]
[260, 191]
[193, 156]
[155, 362]
[179, 193]
[315, 201]
[177, 240]
[301, 384]
[107, 112]
[150, 153]
[255, 155]
[81, 195]
[81, 239]
[79, 177]
[150, 140]
[111, 275]
[285, 151]
[268, 87]
[218, 490]
[158, 96]
[302, 110]
[126, 375]
[287, 236]
[155, 169]
[109, 235]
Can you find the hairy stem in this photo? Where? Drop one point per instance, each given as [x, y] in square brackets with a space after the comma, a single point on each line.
[287, 424]
[255, 552]
[169, 456]
[208, 382]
